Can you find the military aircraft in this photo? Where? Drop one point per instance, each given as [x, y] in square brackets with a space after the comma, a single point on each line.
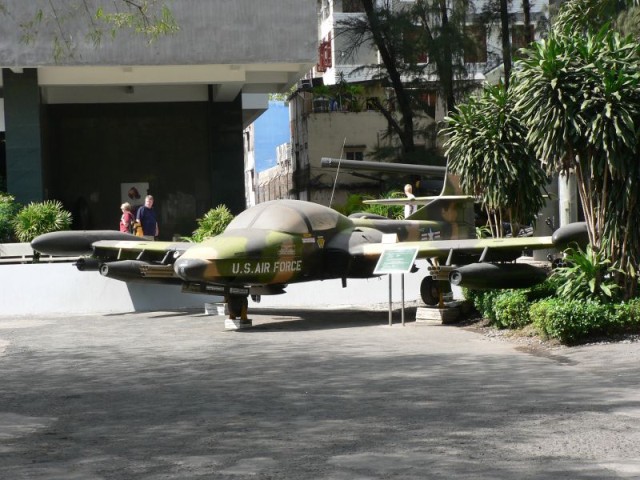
[280, 242]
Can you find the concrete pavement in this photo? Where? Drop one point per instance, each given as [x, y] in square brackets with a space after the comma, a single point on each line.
[315, 394]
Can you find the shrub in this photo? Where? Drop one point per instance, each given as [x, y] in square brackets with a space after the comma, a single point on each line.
[570, 320]
[511, 309]
[38, 218]
[471, 295]
[629, 315]
[587, 275]
[543, 290]
[8, 210]
[212, 223]
[483, 300]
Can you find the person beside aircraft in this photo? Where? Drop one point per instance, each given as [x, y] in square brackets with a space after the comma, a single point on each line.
[409, 208]
[147, 218]
[127, 218]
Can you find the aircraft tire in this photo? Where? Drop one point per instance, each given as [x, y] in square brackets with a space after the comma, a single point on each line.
[429, 291]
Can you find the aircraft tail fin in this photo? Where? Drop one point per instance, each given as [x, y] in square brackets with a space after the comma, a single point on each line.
[451, 207]
[451, 185]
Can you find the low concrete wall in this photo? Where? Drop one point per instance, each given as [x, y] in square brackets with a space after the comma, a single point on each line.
[358, 292]
[46, 288]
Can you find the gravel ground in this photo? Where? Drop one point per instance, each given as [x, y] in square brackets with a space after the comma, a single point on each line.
[317, 394]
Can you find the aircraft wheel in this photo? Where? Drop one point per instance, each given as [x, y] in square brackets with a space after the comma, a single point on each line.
[237, 306]
[429, 291]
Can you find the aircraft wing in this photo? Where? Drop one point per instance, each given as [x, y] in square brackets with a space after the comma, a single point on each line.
[451, 251]
[116, 255]
[415, 201]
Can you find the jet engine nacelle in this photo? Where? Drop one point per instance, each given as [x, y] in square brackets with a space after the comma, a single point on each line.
[487, 276]
[88, 264]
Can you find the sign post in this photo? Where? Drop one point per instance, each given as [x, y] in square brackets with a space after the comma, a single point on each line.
[396, 259]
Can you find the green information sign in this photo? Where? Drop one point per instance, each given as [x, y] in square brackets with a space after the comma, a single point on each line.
[396, 260]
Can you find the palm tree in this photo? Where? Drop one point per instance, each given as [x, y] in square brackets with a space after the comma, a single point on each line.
[487, 147]
[579, 96]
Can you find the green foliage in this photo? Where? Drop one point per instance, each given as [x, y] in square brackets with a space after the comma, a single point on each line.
[389, 211]
[572, 321]
[629, 313]
[511, 309]
[484, 301]
[546, 289]
[587, 275]
[568, 321]
[38, 218]
[8, 210]
[487, 147]
[212, 223]
[579, 97]
[355, 204]
[57, 23]
[483, 232]
[471, 295]
[352, 205]
[140, 18]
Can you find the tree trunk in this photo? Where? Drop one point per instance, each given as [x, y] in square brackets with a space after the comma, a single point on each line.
[506, 41]
[528, 31]
[446, 68]
[406, 128]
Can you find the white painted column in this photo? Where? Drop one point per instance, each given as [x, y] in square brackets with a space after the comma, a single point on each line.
[567, 199]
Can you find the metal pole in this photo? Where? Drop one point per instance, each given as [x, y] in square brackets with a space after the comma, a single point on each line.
[402, 290]
[390, 310]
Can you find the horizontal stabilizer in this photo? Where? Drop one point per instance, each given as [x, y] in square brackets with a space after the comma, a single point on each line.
[416, 200]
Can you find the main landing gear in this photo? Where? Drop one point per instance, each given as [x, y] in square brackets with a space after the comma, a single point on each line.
[431, 291]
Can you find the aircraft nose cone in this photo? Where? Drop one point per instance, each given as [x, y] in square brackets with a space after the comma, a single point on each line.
[191, 269]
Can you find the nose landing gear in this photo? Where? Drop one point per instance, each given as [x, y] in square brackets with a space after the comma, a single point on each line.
[238, 306]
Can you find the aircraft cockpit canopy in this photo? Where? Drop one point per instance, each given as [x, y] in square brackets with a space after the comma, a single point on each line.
[287, 216]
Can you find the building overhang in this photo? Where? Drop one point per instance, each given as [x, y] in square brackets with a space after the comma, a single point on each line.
[168, 83]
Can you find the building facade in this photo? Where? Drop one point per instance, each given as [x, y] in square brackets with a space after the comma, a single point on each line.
[322, 127]
[82, 123]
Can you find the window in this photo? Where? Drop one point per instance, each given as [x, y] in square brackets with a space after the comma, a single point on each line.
[354, 153]
[352, 6]
[413, 47]
[476, 49]
[519, 37]
[429, 100]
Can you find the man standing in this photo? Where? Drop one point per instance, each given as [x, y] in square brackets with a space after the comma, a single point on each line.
[147, 218]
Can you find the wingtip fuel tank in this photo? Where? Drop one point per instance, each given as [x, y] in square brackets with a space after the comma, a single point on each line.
[73, 243]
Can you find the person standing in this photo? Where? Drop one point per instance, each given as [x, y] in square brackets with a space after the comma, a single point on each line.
[409, 208]
[127, 218]
[147, 218]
